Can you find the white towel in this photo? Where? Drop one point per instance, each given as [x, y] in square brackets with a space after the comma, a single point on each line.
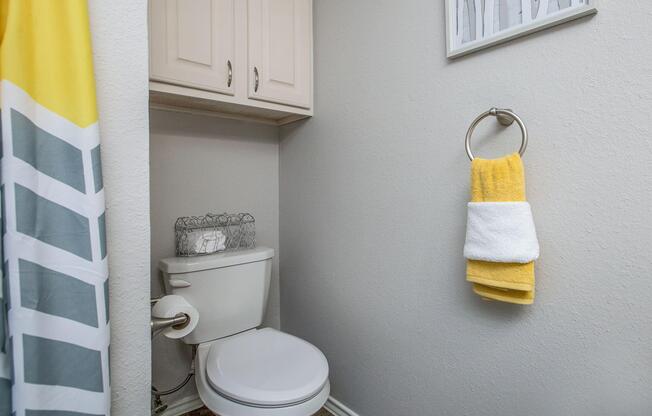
[501, 232]
[207, 242]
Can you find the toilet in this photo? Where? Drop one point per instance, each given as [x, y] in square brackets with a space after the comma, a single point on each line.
[242, 369]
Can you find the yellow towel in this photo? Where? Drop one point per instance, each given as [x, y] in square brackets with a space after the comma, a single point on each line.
[500, 180]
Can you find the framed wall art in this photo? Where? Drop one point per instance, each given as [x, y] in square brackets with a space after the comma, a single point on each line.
[477, 24]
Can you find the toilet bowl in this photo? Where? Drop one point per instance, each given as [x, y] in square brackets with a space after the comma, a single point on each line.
[262, 372]
[242, 369]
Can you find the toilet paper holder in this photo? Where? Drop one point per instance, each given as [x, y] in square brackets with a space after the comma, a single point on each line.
[179, 321]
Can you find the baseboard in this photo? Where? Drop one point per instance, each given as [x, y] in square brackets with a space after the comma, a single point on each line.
[193, 402]
[337, 408]
[183, 406]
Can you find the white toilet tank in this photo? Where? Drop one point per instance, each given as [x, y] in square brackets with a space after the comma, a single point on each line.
[228, 289]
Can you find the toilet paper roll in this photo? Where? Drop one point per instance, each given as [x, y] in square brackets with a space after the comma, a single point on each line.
[170, 306]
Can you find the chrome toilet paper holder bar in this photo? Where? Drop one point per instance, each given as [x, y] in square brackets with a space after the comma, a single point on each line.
[179, 321]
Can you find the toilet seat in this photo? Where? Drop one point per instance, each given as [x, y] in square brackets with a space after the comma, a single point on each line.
[260, 373]
[266, 368]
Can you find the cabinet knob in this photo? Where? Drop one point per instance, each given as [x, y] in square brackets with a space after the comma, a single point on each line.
[230, 72]
[256, 79]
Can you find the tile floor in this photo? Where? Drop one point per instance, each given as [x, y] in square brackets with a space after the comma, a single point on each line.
[205, 412]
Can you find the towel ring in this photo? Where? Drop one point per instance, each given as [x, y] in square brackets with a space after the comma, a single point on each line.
[505, 117]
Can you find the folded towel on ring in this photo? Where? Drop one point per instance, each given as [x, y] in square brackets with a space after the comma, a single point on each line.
[501, 232]
[501, 243]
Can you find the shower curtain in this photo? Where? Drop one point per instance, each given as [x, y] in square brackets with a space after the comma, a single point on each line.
[54, 319]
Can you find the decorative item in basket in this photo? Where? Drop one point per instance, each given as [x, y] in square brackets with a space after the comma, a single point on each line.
[211, 233]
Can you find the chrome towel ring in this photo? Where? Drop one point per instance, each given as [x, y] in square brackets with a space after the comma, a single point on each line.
[505, 117]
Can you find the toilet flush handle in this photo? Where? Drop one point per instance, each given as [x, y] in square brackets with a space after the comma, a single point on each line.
[177, 283]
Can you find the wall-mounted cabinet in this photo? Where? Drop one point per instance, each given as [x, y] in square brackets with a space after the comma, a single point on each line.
[193, 43]
[280, 50]
[244, 59]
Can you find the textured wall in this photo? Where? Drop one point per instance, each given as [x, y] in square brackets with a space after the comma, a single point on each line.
[120, 49]
[200, 165]
[373, 192]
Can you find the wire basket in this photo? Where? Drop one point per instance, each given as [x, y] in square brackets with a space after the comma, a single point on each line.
[211, 233]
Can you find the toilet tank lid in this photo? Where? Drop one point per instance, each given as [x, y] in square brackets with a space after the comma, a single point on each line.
[173, 265]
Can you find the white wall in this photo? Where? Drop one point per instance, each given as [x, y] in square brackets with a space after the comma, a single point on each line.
[199, 165]
[119, 32]
[373, 192]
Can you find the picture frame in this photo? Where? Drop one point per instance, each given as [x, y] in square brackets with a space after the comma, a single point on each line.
[472, 25]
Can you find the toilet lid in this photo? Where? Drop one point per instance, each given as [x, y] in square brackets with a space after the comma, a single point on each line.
[266, 367]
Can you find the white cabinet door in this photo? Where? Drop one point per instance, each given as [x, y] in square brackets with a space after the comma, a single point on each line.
[280, 51]
[192, 43]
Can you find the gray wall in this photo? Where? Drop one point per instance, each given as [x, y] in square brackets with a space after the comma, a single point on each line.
[199, 165]
[373, 192]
